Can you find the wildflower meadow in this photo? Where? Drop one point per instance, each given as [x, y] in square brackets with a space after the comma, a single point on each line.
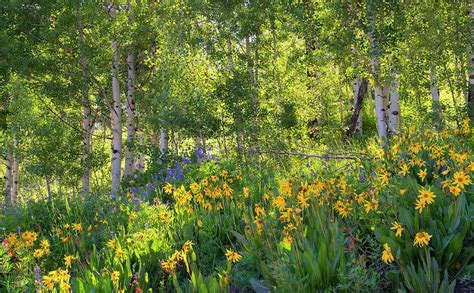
[236, 146]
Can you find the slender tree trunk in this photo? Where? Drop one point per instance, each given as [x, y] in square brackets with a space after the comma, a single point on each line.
[131, 121]
[139, 161]
[394, 113]
[8, 173]
[470, 95]
[435, 97]
[116, 119]
[87, 126]
[275, 60]
[386, 102]
[380, 97]
[164, 138]
[48, 188]
[380, 111]
[358, 102]
[14, 194]
[87, 119]
[371, 99]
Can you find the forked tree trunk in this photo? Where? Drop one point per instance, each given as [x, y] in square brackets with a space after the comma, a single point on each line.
[394, 112]
[131, 121]
[116, 120]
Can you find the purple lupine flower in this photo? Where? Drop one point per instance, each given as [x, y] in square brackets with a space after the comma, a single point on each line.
[38, 275]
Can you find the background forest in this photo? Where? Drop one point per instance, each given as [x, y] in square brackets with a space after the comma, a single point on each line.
[203, 145]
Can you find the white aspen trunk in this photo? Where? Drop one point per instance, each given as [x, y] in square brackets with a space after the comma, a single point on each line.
[229, 54]
[380, 99]
[435, 96]
[131, 121]
[380, 111]
[394, 113]
[87, 125]
[139, 161]
[14, 194]
[116, 120]
[386, 102]
[8, 173]
[87, 119]
[470, 95]
[355, 87]
[434, 87]
[275, 61]
[48, 188]
[164, 138]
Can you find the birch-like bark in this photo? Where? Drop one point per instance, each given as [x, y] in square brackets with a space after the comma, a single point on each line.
[139, 160]
[470, 95]
[394, 113]
[380, 111]
[14, 194]
[164, 138]
[435, 97]
[131, 121]
[116, 120]
[386, 102]
[8, 173]
[87, 119]
[87, 127]
[355, 87]
[380, 99]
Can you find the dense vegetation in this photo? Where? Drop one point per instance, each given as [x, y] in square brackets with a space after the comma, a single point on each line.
[236, 146]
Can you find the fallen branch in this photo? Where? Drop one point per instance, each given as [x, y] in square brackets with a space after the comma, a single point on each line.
[336, 157]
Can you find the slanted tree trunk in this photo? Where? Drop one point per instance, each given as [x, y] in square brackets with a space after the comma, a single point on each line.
[435, 97]
[358, 103]
[394, 111]
[131, 121]
[116, 119]
[14, 194]
[8, 173]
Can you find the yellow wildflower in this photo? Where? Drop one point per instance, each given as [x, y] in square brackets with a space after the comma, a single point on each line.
[422, 174]
[422, 239]
[461, 179]
[387, 256]
[399, 228]
[232, 256]
[115, 276]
